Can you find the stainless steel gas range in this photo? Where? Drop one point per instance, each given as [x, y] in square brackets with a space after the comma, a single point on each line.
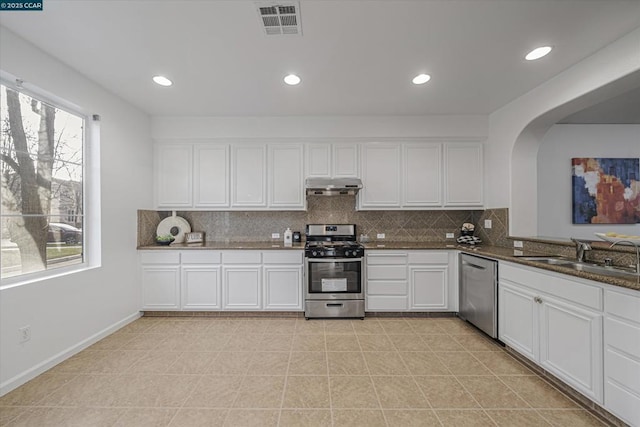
[334, 282]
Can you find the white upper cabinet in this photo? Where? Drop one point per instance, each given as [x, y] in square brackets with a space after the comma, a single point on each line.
[265, 175]
[345, 161]
[332, 160]
[421, 173]
[286, 180]
[380, 175]
[211, 176]
[318, 161]
[463, 168]
[248, 181]
[173, 175]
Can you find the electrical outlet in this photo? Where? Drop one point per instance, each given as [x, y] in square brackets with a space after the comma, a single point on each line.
[487, 223]
[450, 235]
[380, 236]
[517, 244]
[24, 334]
[275, 235]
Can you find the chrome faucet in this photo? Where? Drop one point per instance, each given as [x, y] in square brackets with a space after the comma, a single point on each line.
[637, 246]
[581, 248]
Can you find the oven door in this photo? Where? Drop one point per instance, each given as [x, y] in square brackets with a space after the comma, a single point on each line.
[333, 278]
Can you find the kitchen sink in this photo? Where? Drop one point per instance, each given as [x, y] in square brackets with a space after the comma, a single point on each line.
[583, 266]
[549, 260]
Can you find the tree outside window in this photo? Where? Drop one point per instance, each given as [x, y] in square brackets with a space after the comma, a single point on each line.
[41, 168]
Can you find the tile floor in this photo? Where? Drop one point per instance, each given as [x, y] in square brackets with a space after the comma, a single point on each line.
[291, 372]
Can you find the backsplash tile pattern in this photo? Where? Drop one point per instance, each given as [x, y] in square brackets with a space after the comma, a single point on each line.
[499, 231]
[226, 226]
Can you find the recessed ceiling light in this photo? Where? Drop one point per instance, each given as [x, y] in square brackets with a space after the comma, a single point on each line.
[421, 79]
[538, 53]
[162, 80]
[291, 79]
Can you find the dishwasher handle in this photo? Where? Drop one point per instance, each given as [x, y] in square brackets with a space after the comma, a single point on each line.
[468, 264]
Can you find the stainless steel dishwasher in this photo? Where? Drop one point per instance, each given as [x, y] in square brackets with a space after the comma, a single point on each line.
[479, 293]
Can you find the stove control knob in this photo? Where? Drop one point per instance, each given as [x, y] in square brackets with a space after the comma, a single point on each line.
[314, 253]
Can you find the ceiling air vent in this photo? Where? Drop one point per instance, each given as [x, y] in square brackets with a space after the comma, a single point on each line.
[280, 18]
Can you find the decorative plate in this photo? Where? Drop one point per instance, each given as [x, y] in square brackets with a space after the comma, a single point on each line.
[175, 226]
[628, 240]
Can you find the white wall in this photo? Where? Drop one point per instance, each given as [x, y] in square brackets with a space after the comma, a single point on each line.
[558, 147]
[516, 129]
[69, 311]
[310, 128]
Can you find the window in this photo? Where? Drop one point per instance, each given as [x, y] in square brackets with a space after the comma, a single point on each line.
[41, 167]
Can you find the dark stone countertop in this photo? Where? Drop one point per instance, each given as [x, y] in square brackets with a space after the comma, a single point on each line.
[511, 255]
[493, 252]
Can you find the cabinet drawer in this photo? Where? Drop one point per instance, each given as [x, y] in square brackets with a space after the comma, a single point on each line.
[619, 368]
[160, 257]
[570, 290]
[385, 287]
[387, 272]
[622, 336]
[622, 305]
[428, 257]
[241, 257]
[386, 258]
[200, 257]
[282, 257]
[388, 303]
[622, 403]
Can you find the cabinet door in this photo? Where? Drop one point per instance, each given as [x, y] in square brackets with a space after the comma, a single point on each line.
[160, 287]
[283, 287]
[211, 176]
[428, 288]
[201, 287]
[173, 175]
[318, 160]
[463, 168]
[380, 176]
[622, 354]
[286, 182]
[571, 345]
[518, 319]
[242, 288]
[248, 168]
[422, 184]
[345, 161]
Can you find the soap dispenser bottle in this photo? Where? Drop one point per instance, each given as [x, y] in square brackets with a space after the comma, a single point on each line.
[288, 237]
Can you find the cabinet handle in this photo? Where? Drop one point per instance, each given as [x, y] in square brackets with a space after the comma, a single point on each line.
[538, 300]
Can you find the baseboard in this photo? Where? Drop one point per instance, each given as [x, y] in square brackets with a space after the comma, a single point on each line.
[30, 374]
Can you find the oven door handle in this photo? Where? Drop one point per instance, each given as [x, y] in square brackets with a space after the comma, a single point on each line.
[314, 260]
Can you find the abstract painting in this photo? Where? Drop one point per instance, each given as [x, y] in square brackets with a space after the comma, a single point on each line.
[606, 191]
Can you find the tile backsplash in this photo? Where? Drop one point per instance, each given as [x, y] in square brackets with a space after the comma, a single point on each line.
[405, 225]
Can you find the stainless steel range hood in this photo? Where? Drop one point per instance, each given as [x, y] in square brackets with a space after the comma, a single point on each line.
[332, 186]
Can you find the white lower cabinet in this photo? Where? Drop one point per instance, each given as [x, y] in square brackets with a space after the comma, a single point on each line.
[410, 281]
[429, 281]
[282, 290]
[387, 286]
[556, 322]
[206, 280]
[622, 354]
[282, 277]
[200, 280]
[200, 287]
[518, 318]
[161, 287]
[242, 287]
[160, 280]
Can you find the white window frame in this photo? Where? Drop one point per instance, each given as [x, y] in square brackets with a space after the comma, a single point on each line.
[91, 236]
